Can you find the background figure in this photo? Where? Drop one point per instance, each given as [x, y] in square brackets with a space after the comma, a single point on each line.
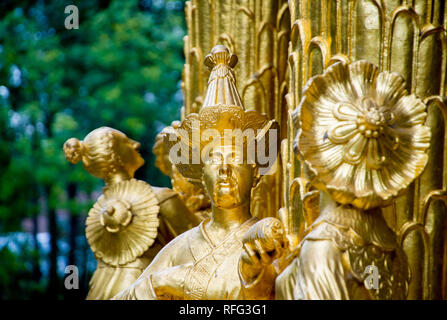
[123, 228]
[192, 194]
[363, 141]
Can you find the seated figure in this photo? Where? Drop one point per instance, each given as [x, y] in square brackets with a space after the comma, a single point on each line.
[205, 262]
[363, 140]
[131, 221]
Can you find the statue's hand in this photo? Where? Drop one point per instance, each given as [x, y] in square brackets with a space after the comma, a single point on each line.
[116, 215]
[263, 244]
[169, 283]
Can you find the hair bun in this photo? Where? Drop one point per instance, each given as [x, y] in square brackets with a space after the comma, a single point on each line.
[73, 150]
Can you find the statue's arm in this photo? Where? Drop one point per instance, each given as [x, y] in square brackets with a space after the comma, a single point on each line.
[257, 285]
[174, 212]
[262, 260]
[144, 287]
[317, 274]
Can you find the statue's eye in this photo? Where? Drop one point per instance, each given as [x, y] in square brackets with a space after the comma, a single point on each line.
[215, 158]
[235, 158]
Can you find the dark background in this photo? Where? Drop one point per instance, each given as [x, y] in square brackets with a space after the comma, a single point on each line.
[121, 68]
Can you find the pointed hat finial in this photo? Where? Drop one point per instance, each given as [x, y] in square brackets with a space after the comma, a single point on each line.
[222, 82]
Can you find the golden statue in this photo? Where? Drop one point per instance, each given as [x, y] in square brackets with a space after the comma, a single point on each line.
[361, 178]
[363, 141]
[258, 32]
[192, 194]
[124, 228]
[203, 263]
[407, 37]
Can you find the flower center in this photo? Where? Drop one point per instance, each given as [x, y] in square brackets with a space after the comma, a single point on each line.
[372, 122]
[117, 215]
[374, 119]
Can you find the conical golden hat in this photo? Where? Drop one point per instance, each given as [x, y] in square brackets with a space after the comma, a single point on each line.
[222, 81]
[222, 110]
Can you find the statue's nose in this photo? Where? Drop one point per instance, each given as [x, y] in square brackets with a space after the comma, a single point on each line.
[224, 171]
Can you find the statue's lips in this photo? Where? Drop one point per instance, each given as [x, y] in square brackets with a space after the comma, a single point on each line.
[228, 182]
[225, 186]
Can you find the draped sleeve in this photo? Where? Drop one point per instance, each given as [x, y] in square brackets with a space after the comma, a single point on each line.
[317, 274]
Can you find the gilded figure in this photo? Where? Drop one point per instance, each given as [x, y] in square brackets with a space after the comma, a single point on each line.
[204, 262]
[363, 141]
[131, 221]
[191, 193]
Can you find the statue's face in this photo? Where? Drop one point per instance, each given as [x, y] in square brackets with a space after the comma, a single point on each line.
[162, 161]
[227, 180]
[129, 154]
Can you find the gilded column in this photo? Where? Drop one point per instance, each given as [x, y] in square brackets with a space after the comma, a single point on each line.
[407, 37]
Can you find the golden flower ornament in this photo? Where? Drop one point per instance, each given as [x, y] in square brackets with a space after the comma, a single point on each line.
[361, 134]
[123, 223]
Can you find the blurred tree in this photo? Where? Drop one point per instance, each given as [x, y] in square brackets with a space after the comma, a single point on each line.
[121, 68]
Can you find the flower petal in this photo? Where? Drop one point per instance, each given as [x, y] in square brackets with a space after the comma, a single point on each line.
[363, 75]
[354, 149]
[338, 86]
[374, 158]
[362, 181]
[409, 111]
[380, 185]
[326, 155]
[341, 133]
[390, 87]
[345, 112]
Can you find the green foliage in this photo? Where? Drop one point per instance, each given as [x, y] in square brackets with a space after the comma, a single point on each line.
[121, 68]
[16, 276]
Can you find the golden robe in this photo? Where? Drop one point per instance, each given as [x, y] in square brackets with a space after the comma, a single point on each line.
[335, 254]
[213, 272]
[107, 281]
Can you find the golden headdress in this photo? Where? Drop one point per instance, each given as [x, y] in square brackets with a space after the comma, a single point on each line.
[221, 111]
[361, 135]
